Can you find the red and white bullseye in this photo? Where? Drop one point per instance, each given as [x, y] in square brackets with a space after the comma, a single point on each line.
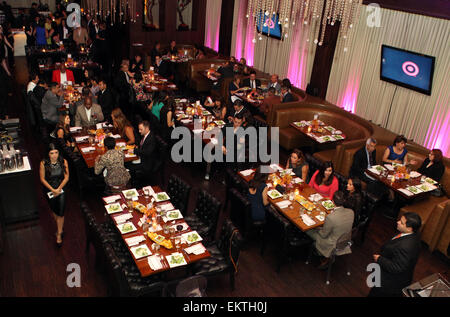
[410, 68]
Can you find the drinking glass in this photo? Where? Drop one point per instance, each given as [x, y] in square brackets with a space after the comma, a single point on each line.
[177, 242]
[166, 229]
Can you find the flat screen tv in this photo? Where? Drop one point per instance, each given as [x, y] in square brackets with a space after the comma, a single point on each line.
[269, 25]
[407, 69]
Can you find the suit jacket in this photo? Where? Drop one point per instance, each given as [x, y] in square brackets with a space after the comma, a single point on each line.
[50, 105]
[163, 69]
[81, 119]
[107, 101]
[247, 115]
[288, 98]
[277, 87]
[147, 152]
[397, 260]
[57, 76]
[246, 83]
[339, 222]
[359, 164]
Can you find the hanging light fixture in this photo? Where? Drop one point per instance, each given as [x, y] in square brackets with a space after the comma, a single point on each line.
[104, 8]
[306, 12]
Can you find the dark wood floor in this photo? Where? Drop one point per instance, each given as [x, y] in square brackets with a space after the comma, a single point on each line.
[31, 265]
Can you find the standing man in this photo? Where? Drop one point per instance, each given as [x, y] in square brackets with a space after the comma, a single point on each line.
[106, 99]
[52, 100]
[398, 257]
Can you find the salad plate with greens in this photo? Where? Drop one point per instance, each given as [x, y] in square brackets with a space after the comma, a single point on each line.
[274, 194]
[430, 181]
[162, 196]
[140, 251]
[130, 193]
[414, 189]
[126, 228]
[191, 237]
[328, 204]
[173, 215]
[176, 259]
[113, 208]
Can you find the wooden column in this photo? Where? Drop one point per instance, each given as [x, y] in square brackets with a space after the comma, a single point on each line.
[226, 27]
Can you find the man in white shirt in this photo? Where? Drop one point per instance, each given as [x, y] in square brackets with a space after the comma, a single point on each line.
[34, 79]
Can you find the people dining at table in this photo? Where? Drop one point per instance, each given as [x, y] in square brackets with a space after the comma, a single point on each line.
[88, 114]
[432, 166]
[217, 107]
[298, 164]
[257, 195]
[63, 76]
[397, 152]
[324, 181]
[252, 81]
[337, 224]
[274, 84]
[112, 164]
[158, 101]
[123, 126]
[353, 197]
[364, 159]
[51, 102]
[62, 130]
[238, 108]
[54, 175]
[286, 95]
[156, 50]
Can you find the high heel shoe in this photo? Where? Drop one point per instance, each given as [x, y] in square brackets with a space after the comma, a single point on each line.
[58, 244]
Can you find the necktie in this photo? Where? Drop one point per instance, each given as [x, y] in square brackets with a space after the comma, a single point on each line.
[397, 236]
[142, 142]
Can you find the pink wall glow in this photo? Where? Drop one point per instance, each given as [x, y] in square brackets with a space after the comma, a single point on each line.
[249, 45]
[439, 132]
[210, 40]
[297, 60]
[348, 101]
[240, 26]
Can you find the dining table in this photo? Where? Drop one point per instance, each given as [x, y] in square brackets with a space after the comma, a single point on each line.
[89, 142]
[155, 233]
[300, 203]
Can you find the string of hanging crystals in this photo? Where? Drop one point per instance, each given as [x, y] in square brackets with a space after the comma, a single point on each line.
[118, 10]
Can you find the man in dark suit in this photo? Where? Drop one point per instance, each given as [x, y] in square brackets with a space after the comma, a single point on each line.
[162, 67]
[225, 71]
[398, 257]
[363, 159]
[286, 95]
[252, 82]
[238, 108]
[156, 51]
[123, 86]
[106, 99]
[147, 152]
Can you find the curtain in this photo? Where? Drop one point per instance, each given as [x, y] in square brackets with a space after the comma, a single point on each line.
[355, 83]
[212, 24]
[291, 57]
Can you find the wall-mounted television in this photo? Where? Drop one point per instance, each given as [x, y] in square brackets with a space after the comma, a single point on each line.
[407, 69]
[269, 25]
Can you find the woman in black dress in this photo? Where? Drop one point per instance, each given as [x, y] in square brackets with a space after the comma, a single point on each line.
[62, 130]
[54, 174]
[432, 166]
[167, 120]
[353, 198]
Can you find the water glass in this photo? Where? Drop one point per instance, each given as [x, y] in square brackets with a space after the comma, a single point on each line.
[177, 242]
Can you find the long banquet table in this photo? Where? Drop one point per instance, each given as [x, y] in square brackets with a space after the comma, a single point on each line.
[143, 263]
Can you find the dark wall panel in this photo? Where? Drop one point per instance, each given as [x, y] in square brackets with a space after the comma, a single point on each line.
[434, 8]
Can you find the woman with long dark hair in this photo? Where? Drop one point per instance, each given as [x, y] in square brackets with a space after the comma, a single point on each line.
[432, 166]
[258, 195]
[324, 181]
[298, 164]
[353, 197]
[54, 175]
[62, 130]
[167, 118]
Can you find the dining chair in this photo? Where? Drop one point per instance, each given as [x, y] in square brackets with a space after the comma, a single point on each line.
[178, 191]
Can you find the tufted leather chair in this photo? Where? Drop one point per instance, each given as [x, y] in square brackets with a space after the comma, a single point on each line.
[286, 236]
[86, 178]
[233, 180]
[205, 216]
[314, 164]
[223, 252]
[193, 286]
[126, 285]
[365, 217]
[241, 215]
[178, 191]
[163, 156]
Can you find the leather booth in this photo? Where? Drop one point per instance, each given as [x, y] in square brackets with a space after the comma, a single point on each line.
[197, 81]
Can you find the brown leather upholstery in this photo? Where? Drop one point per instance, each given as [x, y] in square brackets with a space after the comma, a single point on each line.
[198, 82]
[444, 238]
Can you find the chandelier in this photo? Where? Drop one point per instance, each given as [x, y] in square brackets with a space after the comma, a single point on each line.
[291, 12]
[119, 10]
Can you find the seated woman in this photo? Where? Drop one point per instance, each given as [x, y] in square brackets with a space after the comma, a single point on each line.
[432, 166]
[298, 164]
[324, 181]
[86, 78]
[157, 103]
[353, 198]
[62, 130]
[397, 152]
[258, 195]
[123, 126]
[244, 69]
[167, 119]
[113, 162]
[218, 107]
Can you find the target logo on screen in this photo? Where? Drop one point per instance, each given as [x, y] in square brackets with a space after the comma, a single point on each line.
[410, 68]
[270, 24]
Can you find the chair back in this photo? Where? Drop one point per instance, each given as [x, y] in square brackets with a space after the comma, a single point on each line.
[230, 243]
[194, 286]
[178, 191]
[240, 212]
[207, 210]
[344, 242]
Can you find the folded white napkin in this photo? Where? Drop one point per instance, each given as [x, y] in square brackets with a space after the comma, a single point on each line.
[81, 138]
[88, 149]
[337, 132]
[284, 204]
[122, 218]
[186, 121]
[134, 240]
[196, 249]
[389, 167]
[155, 262]
[320, 218]
[149, 189]
[247, 172]
[111, 199]
[74, 129]
[406, 192]
[166, 207]
[116, 136]
[315, 197]
[414, 174]
[374, 170]
[198, 131]
[307, 220]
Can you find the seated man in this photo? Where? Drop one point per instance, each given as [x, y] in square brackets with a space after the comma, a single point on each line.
[363, 159]
[63, 75]
[34, 79]
[225, 71]
[238, 107]
[162, 67]
[252, 82]
[338, 223]
[52, 100]
[275, 84]
[269, 100]
[88, 114]
[286, 95]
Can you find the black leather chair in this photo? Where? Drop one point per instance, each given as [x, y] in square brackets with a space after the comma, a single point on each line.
[314, 164]
[178, 191]
[205, 216]
[365, 217]
[193, 286]
[86, 179]
[224, 255]
[287, 237]
[241, 215]
[127, 285]
[163, 156]
[233, 180]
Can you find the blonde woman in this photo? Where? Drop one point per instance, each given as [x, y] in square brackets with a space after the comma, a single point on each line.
[123, 126]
